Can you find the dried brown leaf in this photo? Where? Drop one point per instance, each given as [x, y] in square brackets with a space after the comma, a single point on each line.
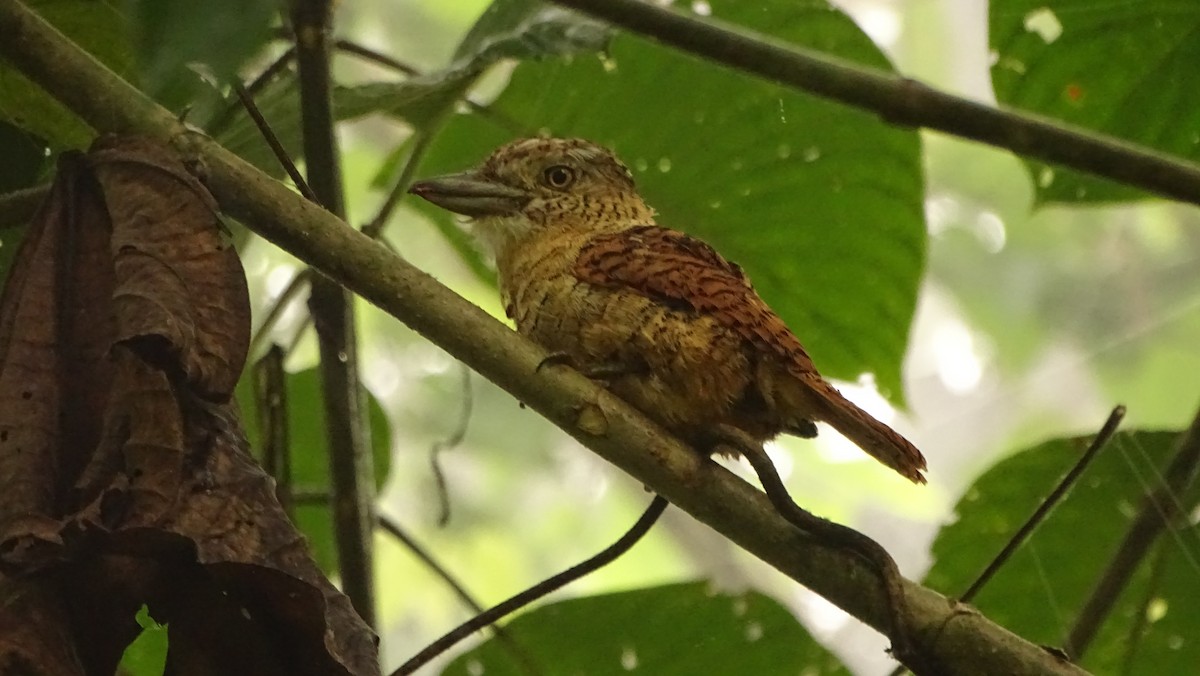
[245, 541]
[34, 635]
[123, 330]
[55, 326]
[181, 298]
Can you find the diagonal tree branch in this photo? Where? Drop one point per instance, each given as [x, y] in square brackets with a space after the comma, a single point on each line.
[903, 101]
[954, 639]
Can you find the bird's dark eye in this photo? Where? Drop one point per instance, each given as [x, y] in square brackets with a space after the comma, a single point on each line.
[559, 176]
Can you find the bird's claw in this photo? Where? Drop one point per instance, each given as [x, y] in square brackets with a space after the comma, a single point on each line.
[555, 359]
[601, 371]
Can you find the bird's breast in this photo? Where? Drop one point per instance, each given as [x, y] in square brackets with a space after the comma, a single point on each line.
[684, 369]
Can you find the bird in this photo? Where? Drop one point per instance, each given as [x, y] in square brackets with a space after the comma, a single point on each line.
[660, 316]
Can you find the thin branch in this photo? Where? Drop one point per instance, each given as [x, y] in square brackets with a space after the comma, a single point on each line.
[270, 390]
[351, 469]
[268, 134]
[395, 530]
[537, 591]
[312, 497]
[375, 57]
[388, 61]
[960, 643]
[454, 439]
[18, 207]
[294, 288]
[222, 121]
[1159, 510]
[420, 145]
[1141, 619]
[1102, 437]
[902, 101]
[298, 335]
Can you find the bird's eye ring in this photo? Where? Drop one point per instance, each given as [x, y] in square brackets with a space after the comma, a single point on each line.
[559, 176]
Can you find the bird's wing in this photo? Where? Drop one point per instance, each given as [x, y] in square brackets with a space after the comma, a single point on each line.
[688, 275]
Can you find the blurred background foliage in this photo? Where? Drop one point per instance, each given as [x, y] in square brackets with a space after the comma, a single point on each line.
[987, 307]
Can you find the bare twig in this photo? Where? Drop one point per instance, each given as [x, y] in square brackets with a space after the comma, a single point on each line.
[493, 614]
[903, 101]
[1018, 538]
[454, 439]
[222, 121]
[378, 58]
[18, 207]
[298, 335]
[388, 61]
[420, 145]
[314, 497]
[270, 390]
[1141, 618]
[1106, 432]
[1159, 510]
[294, 288]
[272, 140]
[395, 530]
[332, 309]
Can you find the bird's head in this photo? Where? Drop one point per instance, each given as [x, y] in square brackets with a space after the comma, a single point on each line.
[535, 184]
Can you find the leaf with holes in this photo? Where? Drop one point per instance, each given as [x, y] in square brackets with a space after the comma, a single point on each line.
[1122, 68]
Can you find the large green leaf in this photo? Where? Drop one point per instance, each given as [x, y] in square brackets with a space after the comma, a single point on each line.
[820, 203]
[24, 158]
[94, 25]
[1125, 68]
[1039, 592]
[175, 45]
[527, 29]
[523, 29]
[310, 459]
[683, 629]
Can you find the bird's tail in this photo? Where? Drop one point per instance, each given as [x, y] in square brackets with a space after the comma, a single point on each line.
[823, 402]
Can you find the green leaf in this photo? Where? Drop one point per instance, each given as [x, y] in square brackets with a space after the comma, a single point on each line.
[683, 629]
[823, 205]
[174, 37]
[310, 460]
[147, 655]
[24, 158]
[526, 29]
[1123, 68]
[509, 29]
[94, 25]
[420, 101]
[1039, 592]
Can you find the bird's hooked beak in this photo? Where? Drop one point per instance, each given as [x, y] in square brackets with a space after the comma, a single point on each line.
[470, 194]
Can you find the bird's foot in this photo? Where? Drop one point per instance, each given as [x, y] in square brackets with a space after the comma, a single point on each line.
[605, 370]
[728, 440]
[829, 532]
